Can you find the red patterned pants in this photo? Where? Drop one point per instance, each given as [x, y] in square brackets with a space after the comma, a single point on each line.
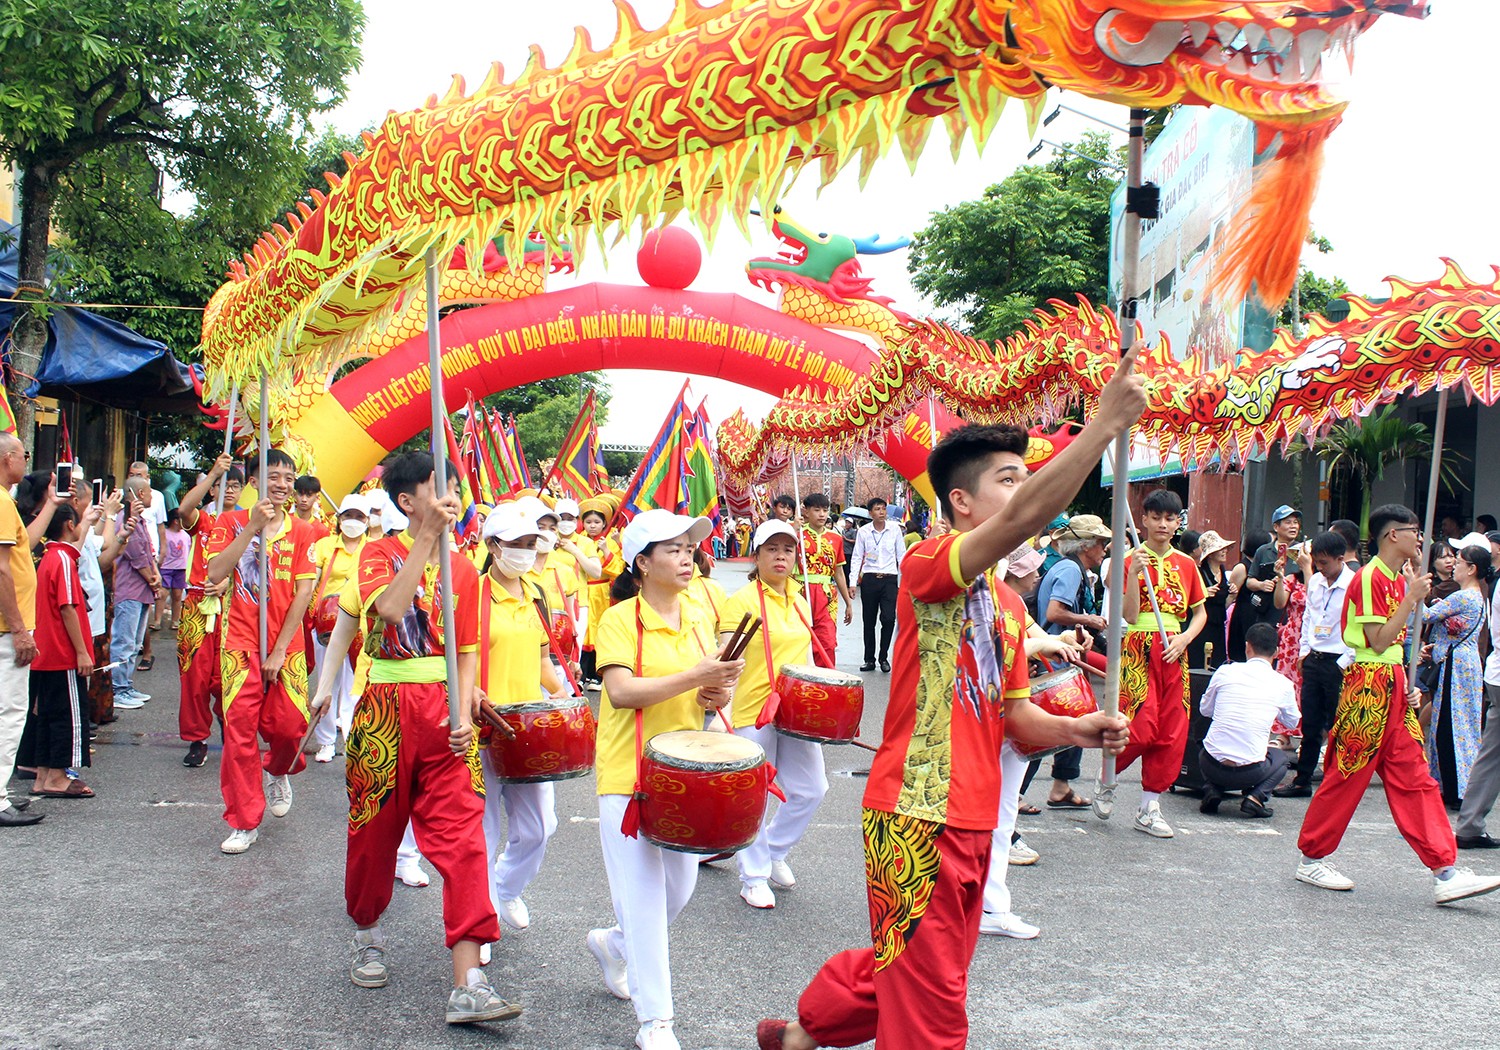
[1154, 696]
[926, 892]
[825, 626]
[1374, 731]
[253, 710]
[400, 768]
[198, 671]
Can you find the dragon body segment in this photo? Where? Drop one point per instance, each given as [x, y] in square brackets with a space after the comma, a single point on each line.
[722, 105]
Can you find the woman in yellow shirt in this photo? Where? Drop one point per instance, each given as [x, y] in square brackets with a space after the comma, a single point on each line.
[514, 668]
[596, 515]
[557, 579]
[657, 654]
[785, 638]
[338, 559]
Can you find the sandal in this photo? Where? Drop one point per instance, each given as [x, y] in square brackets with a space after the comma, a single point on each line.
[1073, 801]
[1026, 809]
[75, 789]
[146, 664]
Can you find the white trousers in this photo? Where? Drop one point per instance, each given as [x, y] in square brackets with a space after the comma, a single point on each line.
[15, 696]
[799, 771]
[1012, 771]
[341, 711]
[530, 818]
[649, 886]
[407, 852]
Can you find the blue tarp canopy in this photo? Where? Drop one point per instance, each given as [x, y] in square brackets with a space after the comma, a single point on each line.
[92, 357]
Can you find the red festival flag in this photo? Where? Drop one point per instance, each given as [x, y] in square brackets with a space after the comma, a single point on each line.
[660, 480]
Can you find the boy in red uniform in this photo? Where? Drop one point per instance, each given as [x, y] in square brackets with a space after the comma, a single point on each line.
[262, 699]
[1153, 671]
[822, 554]
[198, 629]
[1375, 727]
[934, 792]
[404, 760]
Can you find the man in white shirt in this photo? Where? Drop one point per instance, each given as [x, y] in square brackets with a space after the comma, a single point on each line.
[1484, 777]
[874, 573]
[1244, 700]
[1322, 655]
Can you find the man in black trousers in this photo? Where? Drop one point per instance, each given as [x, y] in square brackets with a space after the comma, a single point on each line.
[874, 572]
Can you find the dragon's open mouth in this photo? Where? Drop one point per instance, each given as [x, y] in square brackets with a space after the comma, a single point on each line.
[1243, 50]
[793, 252]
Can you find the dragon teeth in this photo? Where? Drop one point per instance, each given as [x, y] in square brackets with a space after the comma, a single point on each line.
[1310, 45]
[1199, 32]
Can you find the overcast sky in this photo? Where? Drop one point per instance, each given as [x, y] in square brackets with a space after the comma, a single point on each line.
[1409, 175]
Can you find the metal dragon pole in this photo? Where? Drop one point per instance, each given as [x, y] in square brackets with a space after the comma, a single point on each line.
[1130, 256]
[440, 486]
[264, 541]
[234, 399]
[1414, 629]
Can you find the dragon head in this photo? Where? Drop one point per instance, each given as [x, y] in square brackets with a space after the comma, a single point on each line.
[826, 262]
[1261, 58]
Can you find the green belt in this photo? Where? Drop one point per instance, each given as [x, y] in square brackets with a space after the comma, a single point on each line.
[420, 670]
[819, 578]
[1147, 622]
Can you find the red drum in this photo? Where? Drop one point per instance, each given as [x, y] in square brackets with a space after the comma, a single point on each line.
[1065, 692]
[704, 792]
[819, 703]
[325, 617]
[554, 741]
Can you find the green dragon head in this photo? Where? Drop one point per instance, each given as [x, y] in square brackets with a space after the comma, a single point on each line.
[826, 262]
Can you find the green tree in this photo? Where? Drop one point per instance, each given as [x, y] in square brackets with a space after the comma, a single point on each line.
[1361, 449]
[216, 95]
[1040, 233]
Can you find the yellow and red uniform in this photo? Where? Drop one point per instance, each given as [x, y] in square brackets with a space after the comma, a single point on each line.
[558, 582]
[822, 554]
[199, 674]
[399, 765]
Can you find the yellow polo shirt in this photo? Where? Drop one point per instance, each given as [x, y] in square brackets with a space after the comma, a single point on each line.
[22, 570]
[610, 561]
[791, 643]
[663, 651]
[335, 564]
[558, 581]
[512, 672]
[709, 595]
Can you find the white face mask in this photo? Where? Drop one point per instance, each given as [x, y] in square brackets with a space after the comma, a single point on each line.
[545, 543]
[516, 561]
[353, 528]
[567, 528]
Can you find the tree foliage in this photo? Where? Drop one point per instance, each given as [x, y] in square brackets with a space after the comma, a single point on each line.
[101, 100]
[1040, 233]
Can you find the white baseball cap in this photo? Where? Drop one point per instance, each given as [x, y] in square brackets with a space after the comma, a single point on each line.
[536, 508]
[566, 506]
[509, 521]
[354, 501]
[653, 526]
[391, 518]
[772, 527]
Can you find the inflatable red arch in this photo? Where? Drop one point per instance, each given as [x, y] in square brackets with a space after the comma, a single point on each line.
[593, 326]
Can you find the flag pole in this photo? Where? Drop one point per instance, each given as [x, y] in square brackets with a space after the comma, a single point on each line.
[1414, 630]
[264, 554]
[440, 487]
[234, 398]
[1130, 258]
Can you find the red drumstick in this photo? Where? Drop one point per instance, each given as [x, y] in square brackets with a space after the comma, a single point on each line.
[313, 718]
[862, 744]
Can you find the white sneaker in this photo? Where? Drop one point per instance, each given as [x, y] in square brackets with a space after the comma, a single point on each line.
[411, 874]
[1323, 875]
[128, 702]
[1103, 803]
[1149, 820]
[1006, 924]
[1022, 855]
[616, 978]
[758, 895]
[138, 695]
[279, 795]
[781, 875]
[514, 914]
[657, 1035]
[325, 754]
[239, 841]
[1462, 885]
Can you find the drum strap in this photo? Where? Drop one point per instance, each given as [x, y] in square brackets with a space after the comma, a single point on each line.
[630, 824]
[327, 572]
[773, 701]
[556, 646]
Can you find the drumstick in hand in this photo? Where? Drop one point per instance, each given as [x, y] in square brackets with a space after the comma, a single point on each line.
[491, 718]
[313, 718]
[734, 637]
[744, 641]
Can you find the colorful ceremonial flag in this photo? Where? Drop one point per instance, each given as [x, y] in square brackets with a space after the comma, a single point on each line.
[65, 454]
[480, 443]
[700, 480]
[7, 417]
[467, 527]
[660, 479]
[573, 470]
[517, 453]
[511, 476]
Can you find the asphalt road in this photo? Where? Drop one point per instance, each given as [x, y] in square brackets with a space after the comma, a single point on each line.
[124, 926]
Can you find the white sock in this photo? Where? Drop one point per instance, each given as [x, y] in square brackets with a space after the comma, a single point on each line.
[475, 977]
[370, 936]
[1148, 797]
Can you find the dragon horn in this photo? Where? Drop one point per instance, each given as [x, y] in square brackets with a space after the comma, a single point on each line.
[873, 245]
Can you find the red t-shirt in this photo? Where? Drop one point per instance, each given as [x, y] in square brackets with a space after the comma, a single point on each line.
[291, 561]
[1179, 589]
[959, 654]
[57, 585]
[420, 632]
[201, 529]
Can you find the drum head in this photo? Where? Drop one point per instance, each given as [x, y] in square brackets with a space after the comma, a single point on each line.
[697, 749]
[1051, 678]
[821, 675]
[534, 707]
